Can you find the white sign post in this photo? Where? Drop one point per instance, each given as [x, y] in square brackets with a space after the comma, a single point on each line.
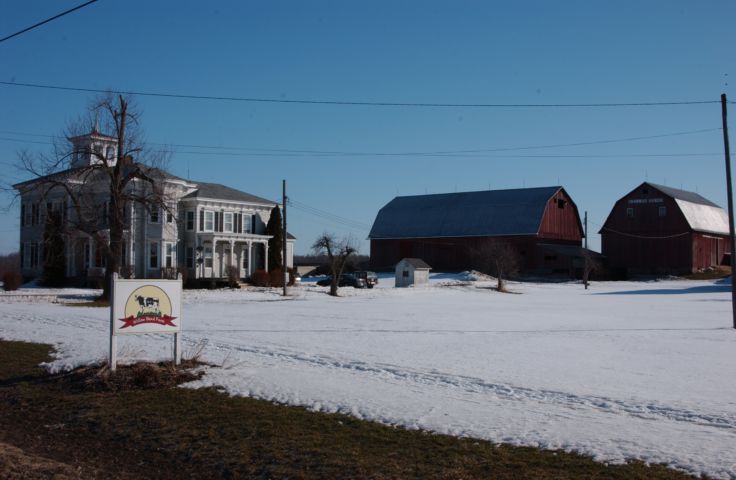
[145, 306]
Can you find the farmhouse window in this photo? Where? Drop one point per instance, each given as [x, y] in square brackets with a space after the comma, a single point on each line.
[208, 257]
[170, 254]
[662, 211]
[34, 214]
[34, 254]
[154, 216]
[561, 203]
[190, 221]
[228, 222]
[190, 257]
[153, 255]
[246, 223]
[405, 274]
[209, 221]
[630, 212]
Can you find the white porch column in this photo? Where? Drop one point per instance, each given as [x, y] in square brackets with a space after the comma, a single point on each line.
[265, 256]
[250, 259]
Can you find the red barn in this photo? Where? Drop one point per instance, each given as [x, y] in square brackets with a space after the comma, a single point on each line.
[662, 230]
[542, 224]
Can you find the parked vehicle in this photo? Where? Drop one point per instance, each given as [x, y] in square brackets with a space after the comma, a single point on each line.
[371, 279]
[346, 280]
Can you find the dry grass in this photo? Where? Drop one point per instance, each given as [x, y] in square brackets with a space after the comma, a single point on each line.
[132, 424]
[714, 274]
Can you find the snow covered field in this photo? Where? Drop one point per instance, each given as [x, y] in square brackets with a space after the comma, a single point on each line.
[620, 371]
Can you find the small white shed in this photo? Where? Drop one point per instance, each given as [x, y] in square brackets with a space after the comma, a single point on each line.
[412, 272]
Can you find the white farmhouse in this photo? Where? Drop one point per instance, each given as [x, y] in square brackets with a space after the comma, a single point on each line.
[205, 229]
[411, 272]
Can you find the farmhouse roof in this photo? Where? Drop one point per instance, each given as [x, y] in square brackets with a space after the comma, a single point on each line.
[416, 263]
[463, 214]
[217, 191]
[77, 173]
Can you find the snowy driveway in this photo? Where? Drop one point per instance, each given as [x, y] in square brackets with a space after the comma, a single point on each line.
[623, 370]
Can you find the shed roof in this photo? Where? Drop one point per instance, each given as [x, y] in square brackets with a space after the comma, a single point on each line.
[463, 214]
[222, 192]
[416, 263]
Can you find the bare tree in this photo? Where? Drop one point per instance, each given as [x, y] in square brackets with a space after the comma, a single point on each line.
[497, 258]
[338, 252]
[97, 193]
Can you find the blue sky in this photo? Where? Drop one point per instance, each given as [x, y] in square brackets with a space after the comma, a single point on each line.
[381, 51]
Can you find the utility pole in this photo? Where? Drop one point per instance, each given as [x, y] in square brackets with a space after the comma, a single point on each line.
[729, 190]
[283, 258]
[586, 229]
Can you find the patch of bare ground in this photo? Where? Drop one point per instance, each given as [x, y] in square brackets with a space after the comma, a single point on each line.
[15, 464]
[133, 424]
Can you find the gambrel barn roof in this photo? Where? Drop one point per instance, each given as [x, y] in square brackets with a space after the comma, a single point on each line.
[701, 214]
[464, 214]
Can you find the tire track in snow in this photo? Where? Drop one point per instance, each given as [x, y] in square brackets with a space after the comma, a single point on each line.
[645, 410]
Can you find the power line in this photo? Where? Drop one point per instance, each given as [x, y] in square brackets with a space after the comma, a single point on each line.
[359, 103]
[423, 155]
[46, 21]
[643, 237]
[448, 155]
[250, 151]
[328, 216]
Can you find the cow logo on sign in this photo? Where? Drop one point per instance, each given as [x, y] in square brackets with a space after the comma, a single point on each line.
[147, 304]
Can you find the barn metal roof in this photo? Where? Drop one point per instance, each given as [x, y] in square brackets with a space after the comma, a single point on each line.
[684, 195]
[464, 214]
[700, 213]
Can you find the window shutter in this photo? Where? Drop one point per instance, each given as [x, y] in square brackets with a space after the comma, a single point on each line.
[253, 224]
[217, 221]
[22, 218]
[222, 221]
[240, 223]
[201, 220]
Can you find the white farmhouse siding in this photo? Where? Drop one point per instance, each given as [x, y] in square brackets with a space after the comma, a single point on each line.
[411, 272]
[207, 229]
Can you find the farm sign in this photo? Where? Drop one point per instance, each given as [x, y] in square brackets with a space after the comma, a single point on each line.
[145, 306]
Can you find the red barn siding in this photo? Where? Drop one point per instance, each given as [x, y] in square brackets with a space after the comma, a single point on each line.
[561, 220]
[558, 225]
[709, 250]
[649, 243]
